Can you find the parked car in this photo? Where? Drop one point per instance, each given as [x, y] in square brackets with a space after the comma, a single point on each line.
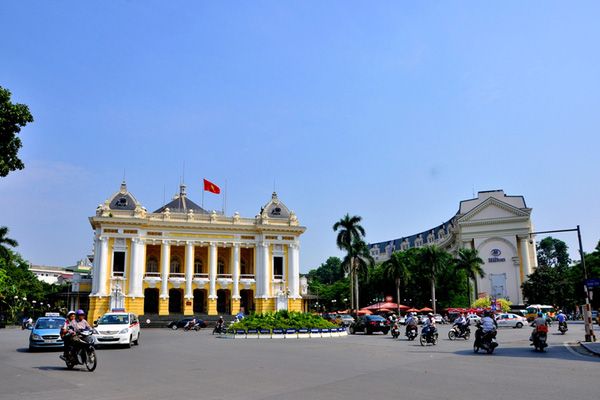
[511, 320]
[183, 322]
[369, 324]
[347, 319]
[45, 333]
[118, 328]
[436, 317]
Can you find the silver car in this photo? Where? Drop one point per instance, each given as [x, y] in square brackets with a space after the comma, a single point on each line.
[511, 320]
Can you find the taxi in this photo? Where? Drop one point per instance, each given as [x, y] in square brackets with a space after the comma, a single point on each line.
[45, 333]
[117, 328]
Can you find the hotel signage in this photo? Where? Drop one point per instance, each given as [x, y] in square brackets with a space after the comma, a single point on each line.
[495, 256]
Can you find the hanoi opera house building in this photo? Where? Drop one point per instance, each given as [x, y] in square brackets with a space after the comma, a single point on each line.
[495, 224]
[182, 259]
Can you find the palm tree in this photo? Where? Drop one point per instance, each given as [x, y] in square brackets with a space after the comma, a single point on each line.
[357, 260]
[5, 242]
[349, 230]
[469, 261]
[433, 260]
[398, 269]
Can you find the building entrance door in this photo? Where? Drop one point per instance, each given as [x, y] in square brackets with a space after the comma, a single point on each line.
[498, 283]
[151, 301]
[175, 301]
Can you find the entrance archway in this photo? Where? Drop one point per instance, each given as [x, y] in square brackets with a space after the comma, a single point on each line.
[199, 301]
[247, 300]
[175, 301]
[151, 301]
[223, 303]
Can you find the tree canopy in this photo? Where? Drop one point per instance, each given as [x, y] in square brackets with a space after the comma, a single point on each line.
[12, 118]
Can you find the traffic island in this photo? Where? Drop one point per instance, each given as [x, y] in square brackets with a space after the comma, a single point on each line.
[592, 347]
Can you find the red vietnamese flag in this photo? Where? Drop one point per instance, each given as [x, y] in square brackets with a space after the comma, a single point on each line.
[211, 187]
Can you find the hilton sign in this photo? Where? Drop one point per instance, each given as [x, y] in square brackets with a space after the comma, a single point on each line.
[495, 256]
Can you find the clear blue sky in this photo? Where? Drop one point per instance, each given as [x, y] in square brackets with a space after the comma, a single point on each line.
[394, 111]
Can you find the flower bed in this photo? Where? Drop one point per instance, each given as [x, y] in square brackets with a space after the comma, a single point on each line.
[284, 324]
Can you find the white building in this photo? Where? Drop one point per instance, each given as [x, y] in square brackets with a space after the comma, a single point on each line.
[495, 224]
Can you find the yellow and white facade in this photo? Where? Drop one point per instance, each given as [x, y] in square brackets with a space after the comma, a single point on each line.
[182, 259]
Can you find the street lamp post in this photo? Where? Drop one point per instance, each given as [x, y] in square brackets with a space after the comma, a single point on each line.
[589, 329]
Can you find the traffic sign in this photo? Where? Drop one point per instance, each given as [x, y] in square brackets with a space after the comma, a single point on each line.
[592, 283]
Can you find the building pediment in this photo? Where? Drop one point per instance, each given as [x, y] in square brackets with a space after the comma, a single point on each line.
[493, 209]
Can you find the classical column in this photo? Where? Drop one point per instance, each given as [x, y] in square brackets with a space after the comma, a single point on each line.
[189, 269]
[137, 268]
[294, 270]
[102, 267]
[258, 271]
[165, 256]
[212, 270]
[525, 256]
[264, 267]
[95, 268]
[235, 255]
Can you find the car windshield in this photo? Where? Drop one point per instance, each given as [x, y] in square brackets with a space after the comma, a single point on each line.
[375, 318]
[113, 320]
[49, 323]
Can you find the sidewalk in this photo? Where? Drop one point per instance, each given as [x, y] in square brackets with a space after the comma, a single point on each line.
[592, 347]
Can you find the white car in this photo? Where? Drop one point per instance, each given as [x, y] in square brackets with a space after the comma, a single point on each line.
[511, 320]
[474, 319]
[118, 328]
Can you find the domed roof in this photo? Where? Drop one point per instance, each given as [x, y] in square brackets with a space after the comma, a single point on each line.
[275, 209]
[122, 200]
[181, 204]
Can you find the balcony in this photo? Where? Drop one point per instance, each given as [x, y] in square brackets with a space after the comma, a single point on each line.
[152, 278]
[177, 278]
[200, 279]
[224, 279]
[246, 281]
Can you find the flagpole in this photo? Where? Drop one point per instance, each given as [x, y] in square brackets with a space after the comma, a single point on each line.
[224, 198]
[203, 197]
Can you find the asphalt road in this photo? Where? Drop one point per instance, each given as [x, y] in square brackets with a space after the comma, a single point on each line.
[197, 365]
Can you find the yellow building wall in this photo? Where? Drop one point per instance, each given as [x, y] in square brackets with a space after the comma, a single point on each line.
[98, 307]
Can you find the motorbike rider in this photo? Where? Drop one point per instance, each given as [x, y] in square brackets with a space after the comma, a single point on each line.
[67, 335]
[191, 323]
[462, 322]
[562, 319]
[429, 325]
[220, 324]
[539, 324]
[487, 325]
[411, 322]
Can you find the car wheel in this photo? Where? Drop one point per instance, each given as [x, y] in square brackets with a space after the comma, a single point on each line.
[129, 344]
[137, 340]
[174, 327]
[352, 331]
[519, 325]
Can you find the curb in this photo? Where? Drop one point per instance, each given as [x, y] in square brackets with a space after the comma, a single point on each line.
[592, 349]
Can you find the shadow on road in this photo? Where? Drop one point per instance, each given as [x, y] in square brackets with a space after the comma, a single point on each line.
[556, 352]
[42, 350]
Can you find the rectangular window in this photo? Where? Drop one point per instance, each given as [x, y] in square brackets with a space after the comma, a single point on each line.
[119, 263]
[278, 267]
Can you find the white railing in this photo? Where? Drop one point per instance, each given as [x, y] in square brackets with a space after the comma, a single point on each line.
[246, 276]
[201, 275]
[152, 275]
[176, 275]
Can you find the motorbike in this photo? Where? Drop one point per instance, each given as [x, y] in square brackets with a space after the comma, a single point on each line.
[428, 337]
[562, 327]
[192, 326]
[412, 332]
[539, 339]
[485, 341]
[82, 351]
[219, 329]
[455, 333]
[395, 331]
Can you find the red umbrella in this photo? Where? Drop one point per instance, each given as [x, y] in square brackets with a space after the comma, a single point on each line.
[364, 311]
[389, 305]
[412, 310]
[426, 309]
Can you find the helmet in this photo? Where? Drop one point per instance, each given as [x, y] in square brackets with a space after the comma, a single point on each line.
[80, 312]
[429, 314]
[414, 314]
[560, 311]
[70, 313]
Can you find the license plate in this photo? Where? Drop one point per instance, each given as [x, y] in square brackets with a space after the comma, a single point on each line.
[48, 341]
[108, 337]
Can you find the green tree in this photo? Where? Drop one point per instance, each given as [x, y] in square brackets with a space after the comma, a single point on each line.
[5, 241]
[433, 260]
[12, 118]
[329, 272]
[553, 252]
[468, 260]
[357, 262]
[349, 230]
[398, 268]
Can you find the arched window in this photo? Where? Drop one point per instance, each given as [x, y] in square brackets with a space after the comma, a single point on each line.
[220, 266]
[151, 265]
[175, 265]
[198, 266]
